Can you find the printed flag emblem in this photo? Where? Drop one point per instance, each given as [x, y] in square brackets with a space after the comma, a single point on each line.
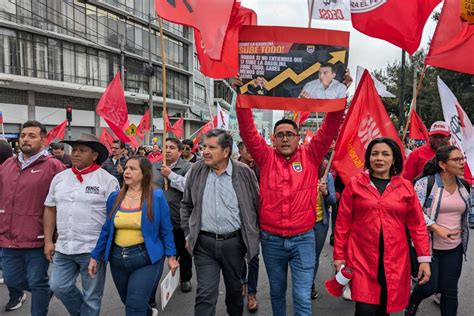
[297, 167]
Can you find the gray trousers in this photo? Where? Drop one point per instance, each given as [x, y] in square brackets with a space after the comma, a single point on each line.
[210, 257]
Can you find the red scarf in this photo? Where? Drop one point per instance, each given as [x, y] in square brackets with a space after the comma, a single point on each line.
[87, 170]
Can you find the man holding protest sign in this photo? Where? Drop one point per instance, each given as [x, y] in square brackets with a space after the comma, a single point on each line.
[288, 186]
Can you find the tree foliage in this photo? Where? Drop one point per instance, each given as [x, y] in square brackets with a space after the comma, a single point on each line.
[428, 103]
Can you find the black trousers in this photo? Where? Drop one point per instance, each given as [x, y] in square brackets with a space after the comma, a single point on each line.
[185, 259]
[364, 309]
[446, 267]
[210, 258]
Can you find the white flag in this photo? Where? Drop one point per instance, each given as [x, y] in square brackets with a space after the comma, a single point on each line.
[222, 118]
[331, 10]
[381, 88]
[462, 131]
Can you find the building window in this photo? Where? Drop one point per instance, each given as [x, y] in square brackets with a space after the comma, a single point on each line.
[200, 93]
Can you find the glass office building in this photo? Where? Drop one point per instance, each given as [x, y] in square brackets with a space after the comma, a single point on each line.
[59, 52]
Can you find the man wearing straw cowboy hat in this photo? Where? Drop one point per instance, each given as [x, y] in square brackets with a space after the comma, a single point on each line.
[76, 206]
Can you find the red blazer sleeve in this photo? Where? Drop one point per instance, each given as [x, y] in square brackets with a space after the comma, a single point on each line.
[254, 142]
[343, 223]
[416, 226]
[320, 142]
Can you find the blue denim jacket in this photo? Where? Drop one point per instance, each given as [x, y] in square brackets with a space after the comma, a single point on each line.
[158, 234]
[330, 199]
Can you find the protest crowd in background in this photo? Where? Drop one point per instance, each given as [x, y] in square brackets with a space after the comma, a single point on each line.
[396, 202]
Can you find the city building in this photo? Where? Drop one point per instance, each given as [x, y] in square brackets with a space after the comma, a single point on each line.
[55, 53]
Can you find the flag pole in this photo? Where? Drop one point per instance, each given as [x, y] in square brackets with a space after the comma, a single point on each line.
[416, 93]
[163, 82]
[311, 9]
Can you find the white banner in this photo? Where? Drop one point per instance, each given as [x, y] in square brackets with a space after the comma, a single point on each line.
[222, 118]
[331, 10]
[462, 131]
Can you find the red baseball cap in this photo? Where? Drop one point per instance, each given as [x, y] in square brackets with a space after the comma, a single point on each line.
[440, 128]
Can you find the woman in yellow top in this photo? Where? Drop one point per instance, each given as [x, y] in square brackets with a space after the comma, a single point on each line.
[136, 237]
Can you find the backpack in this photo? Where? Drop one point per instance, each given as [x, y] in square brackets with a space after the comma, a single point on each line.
[431, 180]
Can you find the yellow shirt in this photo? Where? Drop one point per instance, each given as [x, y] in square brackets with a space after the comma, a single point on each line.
[319, 207]
[128, 224]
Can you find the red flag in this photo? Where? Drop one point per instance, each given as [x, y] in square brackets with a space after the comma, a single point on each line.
[399, 22]
[206, 128]
[119, 132]
[210, 17]
[106, 139]
[453, 41]
[112, 105]
[178, 128]
[366, 119]
[417, 128]
[56, 132]
[144, 125]
[307, 137]
[228, 65]
[303, 116]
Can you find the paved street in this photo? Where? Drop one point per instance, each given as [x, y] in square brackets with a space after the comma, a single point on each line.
[182, 304]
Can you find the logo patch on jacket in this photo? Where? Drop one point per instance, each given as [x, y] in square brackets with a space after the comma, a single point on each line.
[92, 190]
[297, 167]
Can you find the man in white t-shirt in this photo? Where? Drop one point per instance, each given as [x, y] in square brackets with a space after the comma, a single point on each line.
[76, 206]
[326, 87]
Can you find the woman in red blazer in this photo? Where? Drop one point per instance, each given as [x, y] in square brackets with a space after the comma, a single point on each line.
[376, 208]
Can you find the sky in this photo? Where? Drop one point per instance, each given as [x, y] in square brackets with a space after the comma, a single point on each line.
[370, 53]
[365, 51]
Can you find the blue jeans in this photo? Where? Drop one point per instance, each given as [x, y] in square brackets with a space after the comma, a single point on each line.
[297, 252]
[252, 277]
[135, 277]
[27, 269]
[65, 270]
[14, 293]
[320, 232]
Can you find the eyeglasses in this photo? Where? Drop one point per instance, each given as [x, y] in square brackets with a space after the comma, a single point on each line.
[288, 135]
[458, 159]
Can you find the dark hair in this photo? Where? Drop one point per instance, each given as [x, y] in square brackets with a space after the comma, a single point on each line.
[328, 65]
[147, 187]
[121, 144]
[224, 139]
[57, 146]
[187, 142]
[442, 154]
[397, 166]
[256, 76]
[175, 141]
[240, 145]
[285, 121]
[6, 151]
[42, 128]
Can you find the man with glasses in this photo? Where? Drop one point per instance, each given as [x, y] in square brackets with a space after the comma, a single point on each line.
[288, 186]
[188, 151]
[439, 135]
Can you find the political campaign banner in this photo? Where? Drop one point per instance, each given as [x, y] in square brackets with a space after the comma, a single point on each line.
[296, 69]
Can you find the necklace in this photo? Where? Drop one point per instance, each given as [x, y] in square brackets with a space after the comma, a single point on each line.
[133, 197]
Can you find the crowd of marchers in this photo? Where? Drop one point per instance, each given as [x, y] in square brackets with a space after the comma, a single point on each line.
[393, 223]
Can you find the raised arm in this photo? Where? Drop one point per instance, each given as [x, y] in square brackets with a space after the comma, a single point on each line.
[254, 142]
[320, 142]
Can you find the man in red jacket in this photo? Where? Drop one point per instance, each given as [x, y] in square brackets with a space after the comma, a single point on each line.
[24, 184]
[288, 186]
[439, 136]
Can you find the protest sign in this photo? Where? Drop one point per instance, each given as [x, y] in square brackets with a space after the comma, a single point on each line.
[289, 68]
